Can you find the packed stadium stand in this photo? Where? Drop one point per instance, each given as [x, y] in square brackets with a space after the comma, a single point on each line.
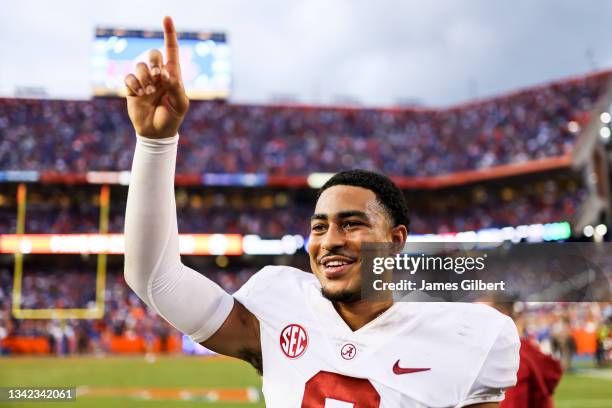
[275, 212]
[80, 136]
[126, 317]
[530, 157]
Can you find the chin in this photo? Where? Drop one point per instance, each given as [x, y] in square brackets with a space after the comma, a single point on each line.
[341, 295]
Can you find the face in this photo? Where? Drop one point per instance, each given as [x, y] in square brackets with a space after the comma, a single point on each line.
[344, 217]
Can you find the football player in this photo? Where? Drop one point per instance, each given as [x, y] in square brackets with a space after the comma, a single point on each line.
[315, 340]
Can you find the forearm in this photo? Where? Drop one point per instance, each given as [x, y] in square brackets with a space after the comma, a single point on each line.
[151, 233]
[153, 269]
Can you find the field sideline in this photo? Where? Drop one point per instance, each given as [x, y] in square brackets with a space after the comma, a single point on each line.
[205, 381]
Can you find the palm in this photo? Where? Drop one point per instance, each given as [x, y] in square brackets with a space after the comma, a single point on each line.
[165, 119]
[153, 115]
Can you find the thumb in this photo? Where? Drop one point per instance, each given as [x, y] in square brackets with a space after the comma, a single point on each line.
[176, 92]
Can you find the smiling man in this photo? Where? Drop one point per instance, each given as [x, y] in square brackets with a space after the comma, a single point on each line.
[353, 207]
[316, 341]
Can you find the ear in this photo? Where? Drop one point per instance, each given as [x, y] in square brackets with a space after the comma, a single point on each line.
[399, 234]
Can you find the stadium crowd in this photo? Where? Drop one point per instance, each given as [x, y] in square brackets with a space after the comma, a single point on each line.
[218, 137]
[557, 328]
[274, 213]
[63, 288]
[79, 136]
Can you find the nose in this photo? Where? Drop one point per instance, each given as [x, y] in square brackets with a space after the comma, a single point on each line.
[334, 238]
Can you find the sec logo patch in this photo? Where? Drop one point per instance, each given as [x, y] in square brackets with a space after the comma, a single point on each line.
[293, 341]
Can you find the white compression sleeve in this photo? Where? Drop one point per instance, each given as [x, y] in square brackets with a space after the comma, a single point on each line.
[186, 299]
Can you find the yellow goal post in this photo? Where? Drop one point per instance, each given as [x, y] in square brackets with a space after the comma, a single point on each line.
[96, 312]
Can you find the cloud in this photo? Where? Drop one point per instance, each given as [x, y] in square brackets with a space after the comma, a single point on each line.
[318, 51]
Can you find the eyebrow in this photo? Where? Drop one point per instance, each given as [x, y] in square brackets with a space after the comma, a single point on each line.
[341, 215]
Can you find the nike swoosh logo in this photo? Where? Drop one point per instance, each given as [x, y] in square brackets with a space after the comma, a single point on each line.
[400, 370]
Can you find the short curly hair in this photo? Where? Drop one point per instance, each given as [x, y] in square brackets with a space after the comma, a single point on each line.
[387, 193]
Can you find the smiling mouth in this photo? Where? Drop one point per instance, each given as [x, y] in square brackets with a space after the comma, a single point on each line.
[336, 268]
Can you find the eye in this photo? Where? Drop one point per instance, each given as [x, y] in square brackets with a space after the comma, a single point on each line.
[318, 227]
[350, 224]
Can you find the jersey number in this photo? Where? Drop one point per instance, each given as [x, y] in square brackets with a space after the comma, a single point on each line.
[326, 390]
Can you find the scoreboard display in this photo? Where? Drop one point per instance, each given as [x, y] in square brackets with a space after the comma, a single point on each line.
[204, 58]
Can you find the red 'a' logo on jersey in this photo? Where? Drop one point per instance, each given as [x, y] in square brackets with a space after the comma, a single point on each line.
[293, 340]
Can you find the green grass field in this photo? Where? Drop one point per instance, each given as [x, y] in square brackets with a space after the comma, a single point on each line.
[220, 381]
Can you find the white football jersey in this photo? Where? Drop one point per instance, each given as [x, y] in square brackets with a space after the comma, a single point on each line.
[413, 355]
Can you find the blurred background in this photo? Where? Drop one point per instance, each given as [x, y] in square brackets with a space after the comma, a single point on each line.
[494, 119]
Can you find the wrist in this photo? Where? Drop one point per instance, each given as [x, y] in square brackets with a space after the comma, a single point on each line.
[157, 141]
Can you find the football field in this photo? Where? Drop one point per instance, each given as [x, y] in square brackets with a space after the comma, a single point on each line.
[204, 381]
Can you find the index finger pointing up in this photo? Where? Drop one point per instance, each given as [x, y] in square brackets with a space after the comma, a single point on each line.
[172, 48]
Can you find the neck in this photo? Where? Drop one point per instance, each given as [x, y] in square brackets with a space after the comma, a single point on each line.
[358, 314]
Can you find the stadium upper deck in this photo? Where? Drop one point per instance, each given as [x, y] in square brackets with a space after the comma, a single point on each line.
[81, 136]
[275, 212]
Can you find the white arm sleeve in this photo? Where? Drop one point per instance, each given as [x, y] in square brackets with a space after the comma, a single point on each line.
[187, 299]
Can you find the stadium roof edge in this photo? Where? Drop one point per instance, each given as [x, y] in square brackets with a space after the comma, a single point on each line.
[384, 108]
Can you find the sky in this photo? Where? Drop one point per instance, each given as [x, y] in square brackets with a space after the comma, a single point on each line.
[375, 53]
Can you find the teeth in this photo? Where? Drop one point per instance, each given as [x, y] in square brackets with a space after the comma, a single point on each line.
[335, 263]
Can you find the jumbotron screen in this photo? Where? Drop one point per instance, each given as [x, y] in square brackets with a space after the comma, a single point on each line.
[204, 57]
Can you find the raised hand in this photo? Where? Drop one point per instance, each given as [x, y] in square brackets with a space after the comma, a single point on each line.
[156, 98]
